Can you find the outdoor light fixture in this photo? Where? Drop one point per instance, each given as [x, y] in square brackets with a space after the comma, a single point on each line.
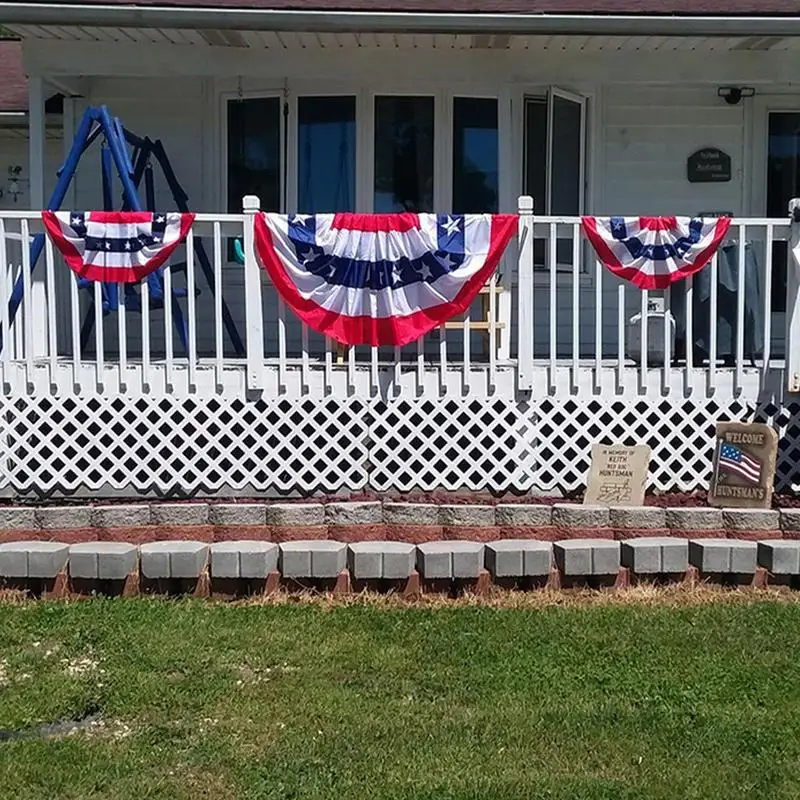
[732, 95]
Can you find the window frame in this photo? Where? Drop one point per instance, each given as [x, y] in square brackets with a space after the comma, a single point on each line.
[591, 105]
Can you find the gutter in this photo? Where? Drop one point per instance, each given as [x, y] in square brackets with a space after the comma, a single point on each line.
[194, 18]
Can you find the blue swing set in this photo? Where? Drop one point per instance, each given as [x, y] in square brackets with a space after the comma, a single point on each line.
[97, 122]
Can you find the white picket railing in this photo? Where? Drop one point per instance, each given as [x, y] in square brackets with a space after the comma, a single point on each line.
[554, 318]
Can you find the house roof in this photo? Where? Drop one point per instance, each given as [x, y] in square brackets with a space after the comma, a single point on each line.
[722, 8]
[13, 83]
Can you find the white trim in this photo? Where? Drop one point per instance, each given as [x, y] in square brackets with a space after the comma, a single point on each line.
[130, 15]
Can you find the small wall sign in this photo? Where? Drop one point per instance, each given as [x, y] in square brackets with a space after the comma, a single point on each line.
[709, 165]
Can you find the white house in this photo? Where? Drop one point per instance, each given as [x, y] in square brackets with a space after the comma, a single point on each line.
[589, 106]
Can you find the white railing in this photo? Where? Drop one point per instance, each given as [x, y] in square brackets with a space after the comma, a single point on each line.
[552, 319]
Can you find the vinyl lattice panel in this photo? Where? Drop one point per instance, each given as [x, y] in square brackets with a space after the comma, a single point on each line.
[185, 445]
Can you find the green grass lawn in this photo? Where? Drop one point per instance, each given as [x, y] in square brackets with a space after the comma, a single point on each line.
[363, 701]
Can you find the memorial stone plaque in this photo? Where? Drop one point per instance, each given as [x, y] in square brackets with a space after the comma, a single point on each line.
[744, 465]
[618, 475]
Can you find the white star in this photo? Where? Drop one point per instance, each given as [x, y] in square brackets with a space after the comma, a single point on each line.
[451, 226]
[425, 271]
[108, 245]
[309, 256]
[159, 218]
[449, 260]
[76, 220]
[156, 239]
[127, 245]
[302, 219]
[396, 277]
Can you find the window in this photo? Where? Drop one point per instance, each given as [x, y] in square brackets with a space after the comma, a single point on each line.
[475, 156]
[783, 183]
[404, 132]
[254, 152]
[326, 154]
[554, 158]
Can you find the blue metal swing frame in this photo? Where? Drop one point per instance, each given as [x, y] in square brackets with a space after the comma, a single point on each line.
[114, 153]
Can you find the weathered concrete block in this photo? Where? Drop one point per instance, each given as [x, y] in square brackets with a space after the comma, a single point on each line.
[751, 519]
[694, 519]
[587, 556]
[374, 560]
[32, 559]
[312, 558]
[790, 520]
[178, 514]
[466, 516]
[566, 515]
[102, 560]
[780, 557]
[13, 560]
[243, 559]
[518, 558]
[723, 555]
[449, 560]
[64, 517]
[523, 515]
[653, 555]
[173, 559]
[354, 513]
[410, 514]
[132, 516]
[637, 518]
[295, 514]
[232, 514]
[18, 518]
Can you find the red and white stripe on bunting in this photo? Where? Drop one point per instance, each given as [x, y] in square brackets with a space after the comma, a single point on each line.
[380, 279]
[654, 252]
[116, 246]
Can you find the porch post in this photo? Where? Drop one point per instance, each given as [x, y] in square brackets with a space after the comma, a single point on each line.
[254, 315]
[36, 305]
[525, 292]
[64, 276]
[793, 302]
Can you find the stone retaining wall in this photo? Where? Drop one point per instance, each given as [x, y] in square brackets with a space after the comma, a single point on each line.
[388, 520]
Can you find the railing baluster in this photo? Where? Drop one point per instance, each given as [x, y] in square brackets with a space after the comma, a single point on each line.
[493, 331]
[768, 244]
[742, 263]
[282, 343]
[420, 364]
[144, 294]
[598, 324]
[552, 258]
[442, 359]
[644, 329]
[191, 307]
[52, 343]
[122, 335]
[713, 323]
[99, 346]
[305, 368]
[168, 342]
[667, 367]
[398, 372]
[4, 318]
[75, 325]
[576, 300]
[328, 365]
[351, 369]
[27, 285]
[621, 336]
[375, 385]
[689, 332]
[467, 351]
[218, 341]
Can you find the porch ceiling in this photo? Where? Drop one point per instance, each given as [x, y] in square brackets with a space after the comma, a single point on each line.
[271, 40]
